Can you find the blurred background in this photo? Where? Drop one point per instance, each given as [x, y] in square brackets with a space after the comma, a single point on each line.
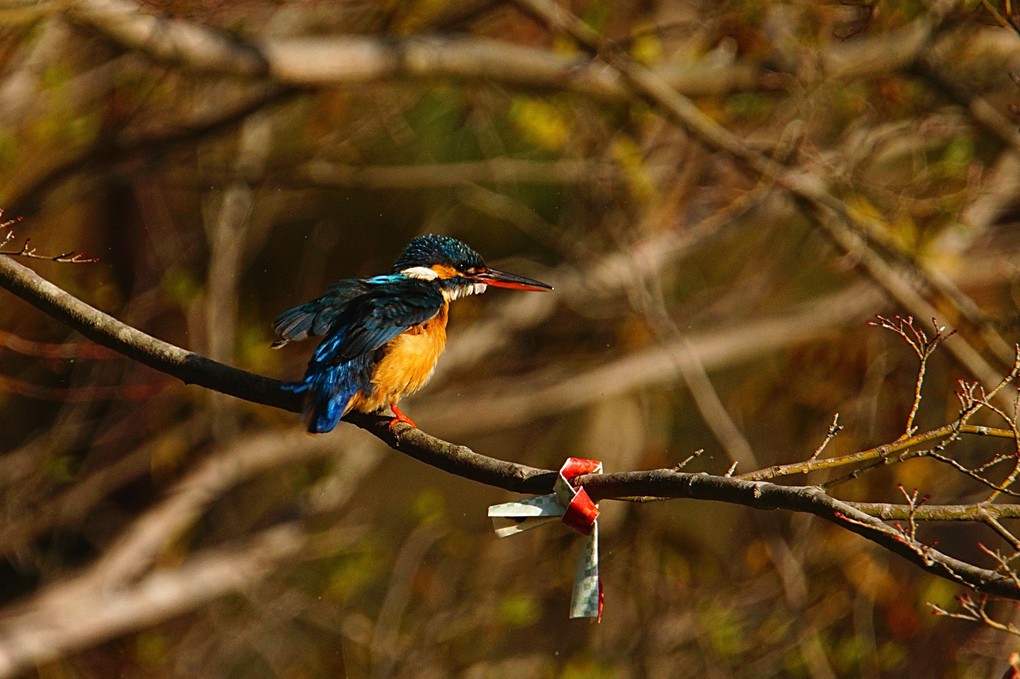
[697, 306]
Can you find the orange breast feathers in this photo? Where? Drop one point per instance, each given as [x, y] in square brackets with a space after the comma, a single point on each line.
[406, 366]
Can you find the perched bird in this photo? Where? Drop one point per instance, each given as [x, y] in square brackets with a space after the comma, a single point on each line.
[382, 336]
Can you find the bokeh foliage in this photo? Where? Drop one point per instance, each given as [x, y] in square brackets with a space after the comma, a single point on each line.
[209, 224]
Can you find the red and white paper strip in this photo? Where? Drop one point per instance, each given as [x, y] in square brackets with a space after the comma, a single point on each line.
[573, 507]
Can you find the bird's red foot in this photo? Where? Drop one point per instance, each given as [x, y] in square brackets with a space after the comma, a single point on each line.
[400, 417]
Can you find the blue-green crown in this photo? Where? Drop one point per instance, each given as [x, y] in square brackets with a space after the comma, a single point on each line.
[431, 249]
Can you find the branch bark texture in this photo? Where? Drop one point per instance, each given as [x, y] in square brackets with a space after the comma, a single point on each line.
[464, 462]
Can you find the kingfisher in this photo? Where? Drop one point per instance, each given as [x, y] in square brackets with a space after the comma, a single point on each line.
[382, 336]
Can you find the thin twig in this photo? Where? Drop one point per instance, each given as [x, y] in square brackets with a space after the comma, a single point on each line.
[975, 611]
[833, 430]
[913, 502]
[690, 458]
[917, 340]
[27, 251]
[879, 452]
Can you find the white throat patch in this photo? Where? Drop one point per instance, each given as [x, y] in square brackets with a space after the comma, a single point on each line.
[451, 294]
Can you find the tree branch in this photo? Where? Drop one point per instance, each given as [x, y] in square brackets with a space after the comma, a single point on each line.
[462, 461]
[189, 367]
[878, 452]
[809, 499]
[349, 60]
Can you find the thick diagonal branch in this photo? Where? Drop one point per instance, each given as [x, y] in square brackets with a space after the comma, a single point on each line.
[463, 462]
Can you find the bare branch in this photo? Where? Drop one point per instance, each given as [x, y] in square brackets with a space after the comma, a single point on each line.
[809, 499]
[830, 434]
[930, 512]
[690, 458]
[923, 347]
[464, 462]
[332, 61]
[168, 39]
[73, 257]
[975, 611]
[877, 453]
[108, 331]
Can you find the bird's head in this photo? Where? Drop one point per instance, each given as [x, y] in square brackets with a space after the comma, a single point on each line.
[456, 268]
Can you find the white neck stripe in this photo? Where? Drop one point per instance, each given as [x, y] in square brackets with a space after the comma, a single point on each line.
[422, 272]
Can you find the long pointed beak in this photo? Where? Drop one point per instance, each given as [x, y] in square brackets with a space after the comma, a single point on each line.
[502, 279]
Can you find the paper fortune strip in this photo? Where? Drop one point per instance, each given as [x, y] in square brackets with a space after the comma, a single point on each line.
[573, 507]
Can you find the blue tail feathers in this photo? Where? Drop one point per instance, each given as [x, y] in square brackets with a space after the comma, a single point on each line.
[330, 389]
[328, 398]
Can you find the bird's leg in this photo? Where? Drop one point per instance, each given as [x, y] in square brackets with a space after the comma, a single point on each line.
[400, 417]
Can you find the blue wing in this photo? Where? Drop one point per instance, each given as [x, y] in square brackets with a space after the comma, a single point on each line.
[357, 317]
[388, 306]
[319, 316]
